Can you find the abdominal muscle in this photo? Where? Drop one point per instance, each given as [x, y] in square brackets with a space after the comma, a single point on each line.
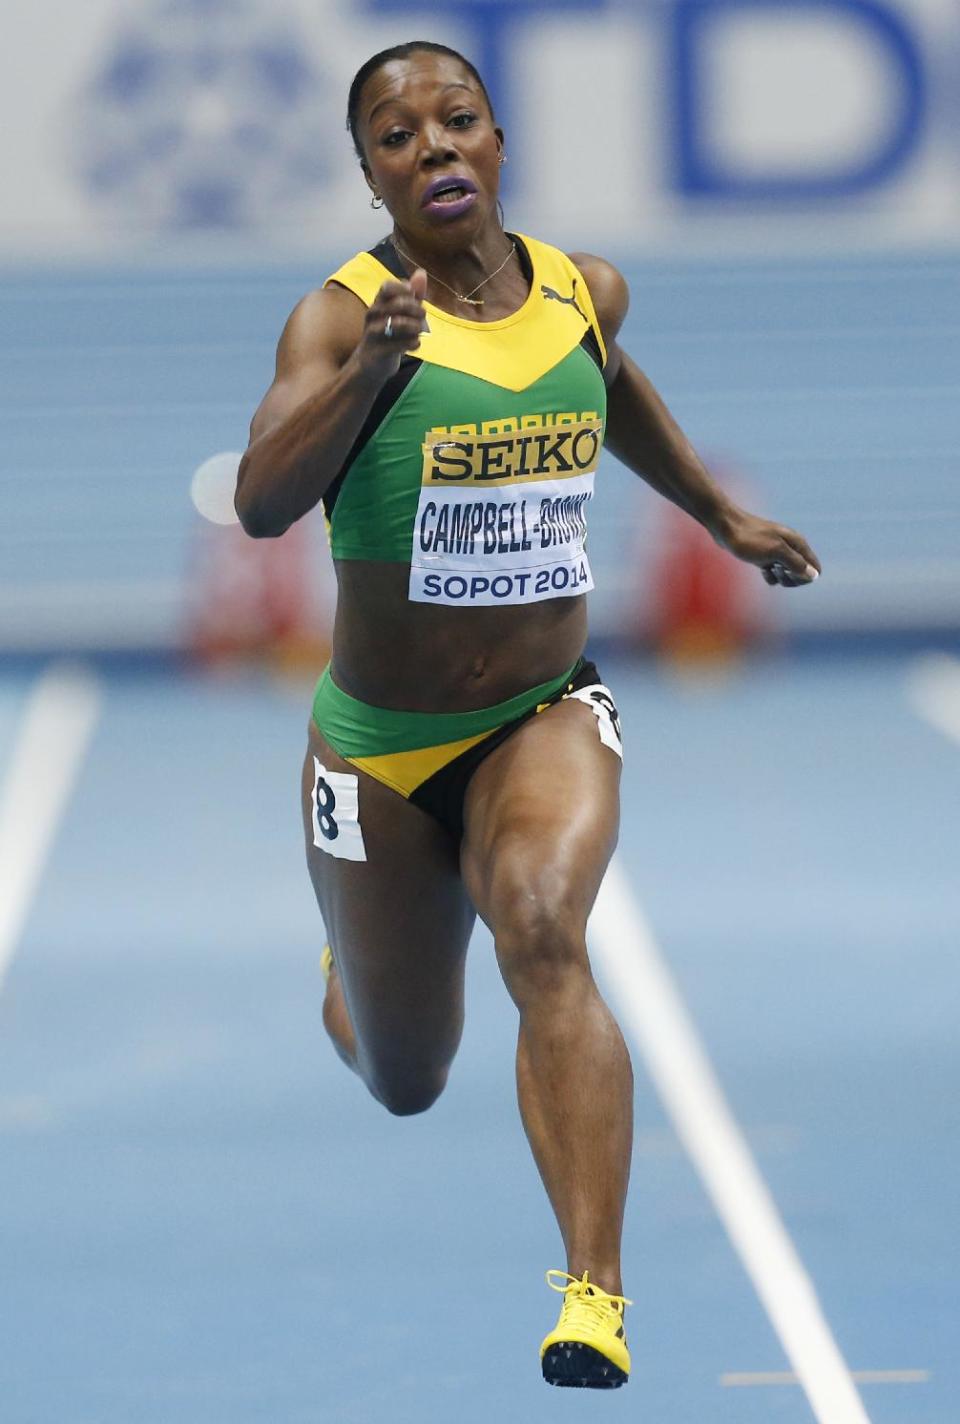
[419, 657]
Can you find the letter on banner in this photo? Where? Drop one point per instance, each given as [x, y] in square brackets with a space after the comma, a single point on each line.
[704, 171]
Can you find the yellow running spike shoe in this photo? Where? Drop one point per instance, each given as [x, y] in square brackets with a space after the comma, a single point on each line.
[588, 1349]
[326, 961]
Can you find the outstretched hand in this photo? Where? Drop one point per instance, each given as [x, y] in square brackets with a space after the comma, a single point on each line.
[393, 324]
[783, 556]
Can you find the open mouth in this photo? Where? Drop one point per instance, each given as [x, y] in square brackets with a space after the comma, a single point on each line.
[449, 195]
[450, 190]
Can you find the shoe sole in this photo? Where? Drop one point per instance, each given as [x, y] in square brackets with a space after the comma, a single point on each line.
[576, 1366]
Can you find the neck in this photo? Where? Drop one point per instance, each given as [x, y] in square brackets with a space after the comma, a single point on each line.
[463, 266]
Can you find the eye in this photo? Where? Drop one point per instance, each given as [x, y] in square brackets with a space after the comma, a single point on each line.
[463, 120]
[395, 137]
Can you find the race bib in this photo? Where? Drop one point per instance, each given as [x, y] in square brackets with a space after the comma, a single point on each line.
[502, 513]
[335, 813]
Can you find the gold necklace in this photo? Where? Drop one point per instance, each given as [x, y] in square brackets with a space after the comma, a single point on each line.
[459, 295]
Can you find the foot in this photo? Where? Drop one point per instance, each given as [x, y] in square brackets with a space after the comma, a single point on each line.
[588, 1349]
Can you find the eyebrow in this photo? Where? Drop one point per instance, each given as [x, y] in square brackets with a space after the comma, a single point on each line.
[384, 102]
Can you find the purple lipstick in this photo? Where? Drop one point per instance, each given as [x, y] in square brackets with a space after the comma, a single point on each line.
[449, 196]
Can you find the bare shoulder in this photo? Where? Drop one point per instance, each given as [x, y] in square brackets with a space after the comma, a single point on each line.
[324, 327]
[608, 291]
[320, 335]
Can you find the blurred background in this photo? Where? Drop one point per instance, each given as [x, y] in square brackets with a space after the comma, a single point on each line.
[780, 182]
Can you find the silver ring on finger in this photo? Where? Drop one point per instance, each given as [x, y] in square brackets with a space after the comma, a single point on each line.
[388, 326]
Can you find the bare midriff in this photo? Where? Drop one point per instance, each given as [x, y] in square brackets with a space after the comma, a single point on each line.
[418, 657]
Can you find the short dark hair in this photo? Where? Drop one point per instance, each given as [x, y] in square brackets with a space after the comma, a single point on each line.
[400, 51]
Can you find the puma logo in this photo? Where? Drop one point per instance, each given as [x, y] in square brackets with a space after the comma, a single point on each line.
[570, 301]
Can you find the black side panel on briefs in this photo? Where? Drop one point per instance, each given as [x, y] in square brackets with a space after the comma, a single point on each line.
[387, 397]
[442, 794]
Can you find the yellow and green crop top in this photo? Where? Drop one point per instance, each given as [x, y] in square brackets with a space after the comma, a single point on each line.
[476, 463]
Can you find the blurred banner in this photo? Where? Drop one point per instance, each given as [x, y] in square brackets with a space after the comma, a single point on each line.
[132, 124]
[779, 181]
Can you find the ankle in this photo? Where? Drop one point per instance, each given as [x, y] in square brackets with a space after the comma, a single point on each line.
[608, 1278]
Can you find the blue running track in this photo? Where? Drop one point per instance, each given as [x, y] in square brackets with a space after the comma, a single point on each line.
[205, 1220]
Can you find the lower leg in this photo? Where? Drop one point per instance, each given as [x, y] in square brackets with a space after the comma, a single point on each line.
[575, 1087]
[411, 1091]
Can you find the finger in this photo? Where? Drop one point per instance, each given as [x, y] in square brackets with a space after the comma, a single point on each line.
[397, 333]
[398, 313]
[414, 289]
[399, 340]
[402, 304]
[798, 543]
[393, 289]
[777, 569]
[794, 563]
[777, 573]
[400, 319]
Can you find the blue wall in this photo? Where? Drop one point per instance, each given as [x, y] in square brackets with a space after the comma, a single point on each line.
[830, 386]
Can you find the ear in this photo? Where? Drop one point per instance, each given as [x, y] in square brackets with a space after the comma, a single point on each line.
[498, 132]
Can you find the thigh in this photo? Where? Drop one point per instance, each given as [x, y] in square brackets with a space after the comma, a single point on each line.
[398, 920]
[541, 818]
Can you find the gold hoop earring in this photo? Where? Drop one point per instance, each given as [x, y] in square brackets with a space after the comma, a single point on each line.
[376, 201]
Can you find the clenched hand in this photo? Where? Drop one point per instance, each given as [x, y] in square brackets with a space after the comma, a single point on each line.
[783, 556]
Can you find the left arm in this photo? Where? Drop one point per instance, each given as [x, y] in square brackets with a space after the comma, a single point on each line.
[643, 434]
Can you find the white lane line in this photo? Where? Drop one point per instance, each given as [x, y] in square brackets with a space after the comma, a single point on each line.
[933, 687]
[746, 1379]
[656, 1018]
[59, 719]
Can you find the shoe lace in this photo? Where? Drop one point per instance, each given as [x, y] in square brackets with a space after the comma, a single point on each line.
[585, 1304]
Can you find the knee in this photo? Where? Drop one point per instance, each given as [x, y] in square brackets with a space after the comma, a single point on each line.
[408, 1093]
[540, 942]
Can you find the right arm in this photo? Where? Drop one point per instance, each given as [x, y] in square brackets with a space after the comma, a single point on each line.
[332, 360]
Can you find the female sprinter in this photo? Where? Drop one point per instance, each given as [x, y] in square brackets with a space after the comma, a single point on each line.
[446, 395]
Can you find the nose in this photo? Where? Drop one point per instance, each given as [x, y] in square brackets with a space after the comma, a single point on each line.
[435, 144]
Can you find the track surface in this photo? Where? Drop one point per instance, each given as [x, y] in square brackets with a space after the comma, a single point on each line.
[206, 1219]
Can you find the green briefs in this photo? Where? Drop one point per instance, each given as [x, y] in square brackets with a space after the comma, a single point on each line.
[428, 757]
